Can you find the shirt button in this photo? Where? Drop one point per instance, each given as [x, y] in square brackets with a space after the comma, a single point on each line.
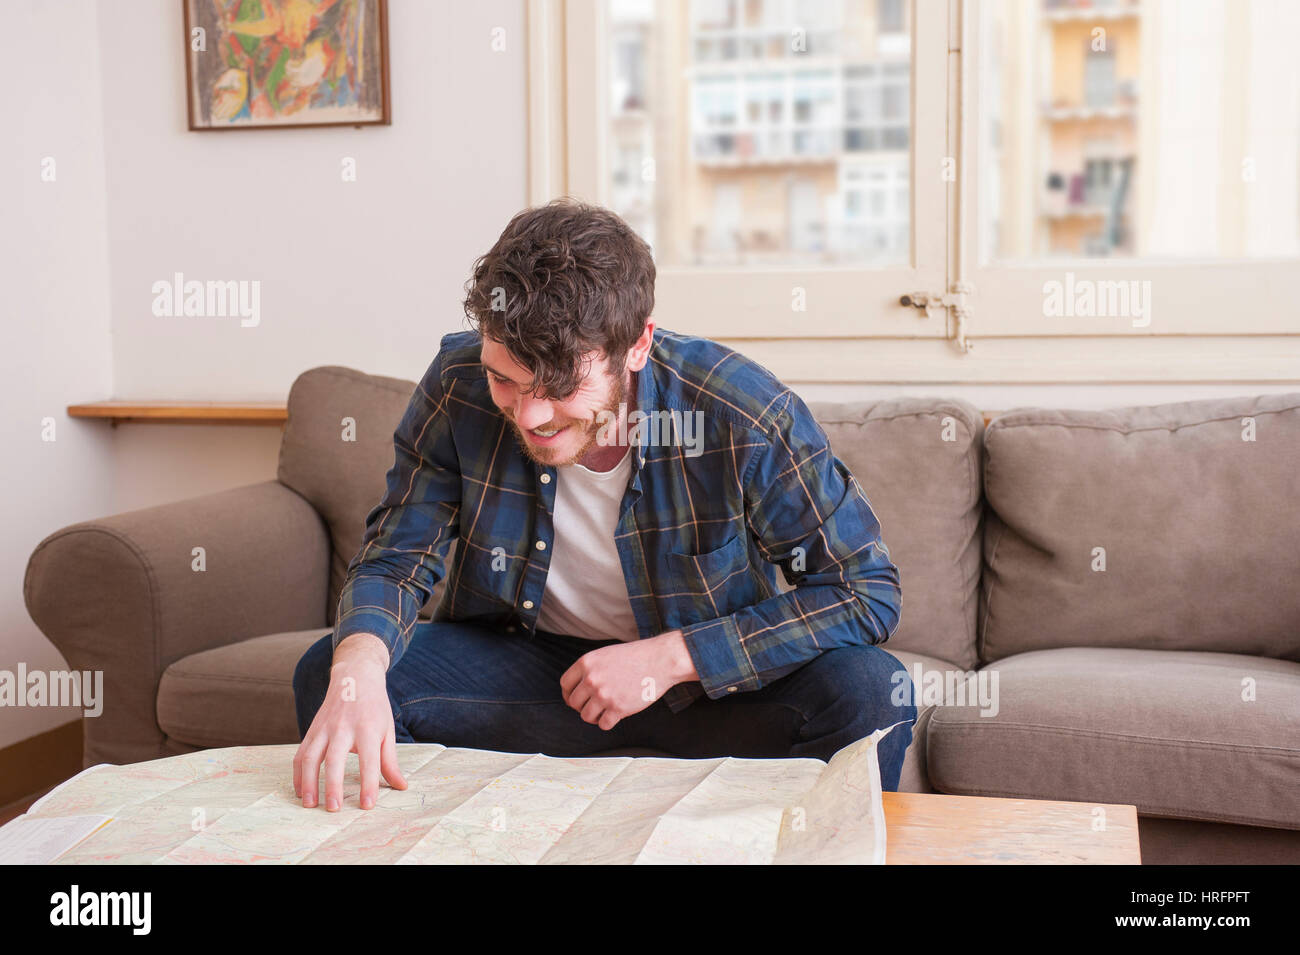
[731, 689]
[528, 605]
[541, 545]
[546, 479]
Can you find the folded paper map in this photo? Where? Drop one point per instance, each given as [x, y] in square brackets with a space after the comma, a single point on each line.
[237, 805]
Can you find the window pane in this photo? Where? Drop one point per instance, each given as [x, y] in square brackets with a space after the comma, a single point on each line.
[762, 132]
[1139, 129]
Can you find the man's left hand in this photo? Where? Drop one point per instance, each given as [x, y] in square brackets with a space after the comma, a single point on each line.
[613, 682]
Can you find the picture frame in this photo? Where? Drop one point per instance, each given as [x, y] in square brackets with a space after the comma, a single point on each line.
[286, 64]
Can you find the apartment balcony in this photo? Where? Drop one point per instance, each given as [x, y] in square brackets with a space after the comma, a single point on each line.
[762, 46]
[1083, 113]
[1073, 12]
[795, 146]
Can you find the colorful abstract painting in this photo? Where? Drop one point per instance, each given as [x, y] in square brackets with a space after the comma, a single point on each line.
[260, 63]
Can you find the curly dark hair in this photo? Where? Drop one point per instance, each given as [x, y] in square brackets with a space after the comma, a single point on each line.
[563, 280]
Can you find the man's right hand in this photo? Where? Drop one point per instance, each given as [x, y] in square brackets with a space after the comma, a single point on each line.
[356, 717]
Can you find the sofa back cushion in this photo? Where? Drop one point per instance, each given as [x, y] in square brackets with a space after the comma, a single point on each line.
[918, 460]
[1171, 526]
[341, 465]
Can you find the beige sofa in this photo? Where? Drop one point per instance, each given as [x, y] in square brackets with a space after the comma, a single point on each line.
[1131, 577]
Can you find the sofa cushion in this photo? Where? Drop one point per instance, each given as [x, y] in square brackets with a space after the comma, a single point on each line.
[918, 461]
[237, 695]
[1169, 527]
[1187, 735]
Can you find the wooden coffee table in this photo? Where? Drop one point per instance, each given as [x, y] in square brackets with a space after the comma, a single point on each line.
[936, 829]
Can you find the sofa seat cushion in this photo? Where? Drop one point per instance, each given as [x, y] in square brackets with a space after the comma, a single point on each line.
[1179, 734]
[237, 695]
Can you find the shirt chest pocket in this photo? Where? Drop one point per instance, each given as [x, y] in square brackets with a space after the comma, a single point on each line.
[710, 574]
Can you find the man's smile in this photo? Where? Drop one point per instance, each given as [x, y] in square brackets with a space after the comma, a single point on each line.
[547, 436]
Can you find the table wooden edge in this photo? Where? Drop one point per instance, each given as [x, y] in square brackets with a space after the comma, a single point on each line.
[942, 829]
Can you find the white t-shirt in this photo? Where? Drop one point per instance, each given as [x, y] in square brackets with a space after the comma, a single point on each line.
[586, 595]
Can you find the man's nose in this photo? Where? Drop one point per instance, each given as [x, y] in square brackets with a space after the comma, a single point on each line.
[532, 412]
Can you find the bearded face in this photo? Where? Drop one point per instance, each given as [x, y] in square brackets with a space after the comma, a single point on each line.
[554, 433]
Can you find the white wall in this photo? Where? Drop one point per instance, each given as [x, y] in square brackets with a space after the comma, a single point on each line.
[54, 268]
[367, 274]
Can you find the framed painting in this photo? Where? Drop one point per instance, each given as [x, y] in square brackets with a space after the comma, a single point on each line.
[270, 64]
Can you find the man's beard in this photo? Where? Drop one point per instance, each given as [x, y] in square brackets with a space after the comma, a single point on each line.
[543, 456]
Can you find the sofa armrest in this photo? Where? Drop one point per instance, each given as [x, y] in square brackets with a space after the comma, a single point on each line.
[127, 595]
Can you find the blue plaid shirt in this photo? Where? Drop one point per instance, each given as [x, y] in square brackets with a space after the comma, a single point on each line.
[705, 521]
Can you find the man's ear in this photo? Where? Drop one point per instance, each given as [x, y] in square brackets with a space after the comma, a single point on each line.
[639, 353]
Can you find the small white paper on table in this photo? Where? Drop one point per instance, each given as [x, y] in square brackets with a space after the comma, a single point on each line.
[40, 840]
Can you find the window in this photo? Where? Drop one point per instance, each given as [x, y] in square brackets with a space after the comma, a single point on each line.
[824, 152]
[1157, 145]
[755, 117]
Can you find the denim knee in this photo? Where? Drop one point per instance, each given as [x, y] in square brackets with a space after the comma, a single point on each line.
[892, 696]
[896, 687]
[872, 681]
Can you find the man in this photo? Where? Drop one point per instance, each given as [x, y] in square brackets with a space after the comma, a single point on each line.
[622, 497]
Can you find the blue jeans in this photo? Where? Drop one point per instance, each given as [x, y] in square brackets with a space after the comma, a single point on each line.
[461, 685]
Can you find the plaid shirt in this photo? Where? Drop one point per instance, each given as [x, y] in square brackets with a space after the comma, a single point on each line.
[701, 531]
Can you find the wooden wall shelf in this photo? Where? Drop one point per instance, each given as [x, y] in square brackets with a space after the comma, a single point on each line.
[185, 412]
